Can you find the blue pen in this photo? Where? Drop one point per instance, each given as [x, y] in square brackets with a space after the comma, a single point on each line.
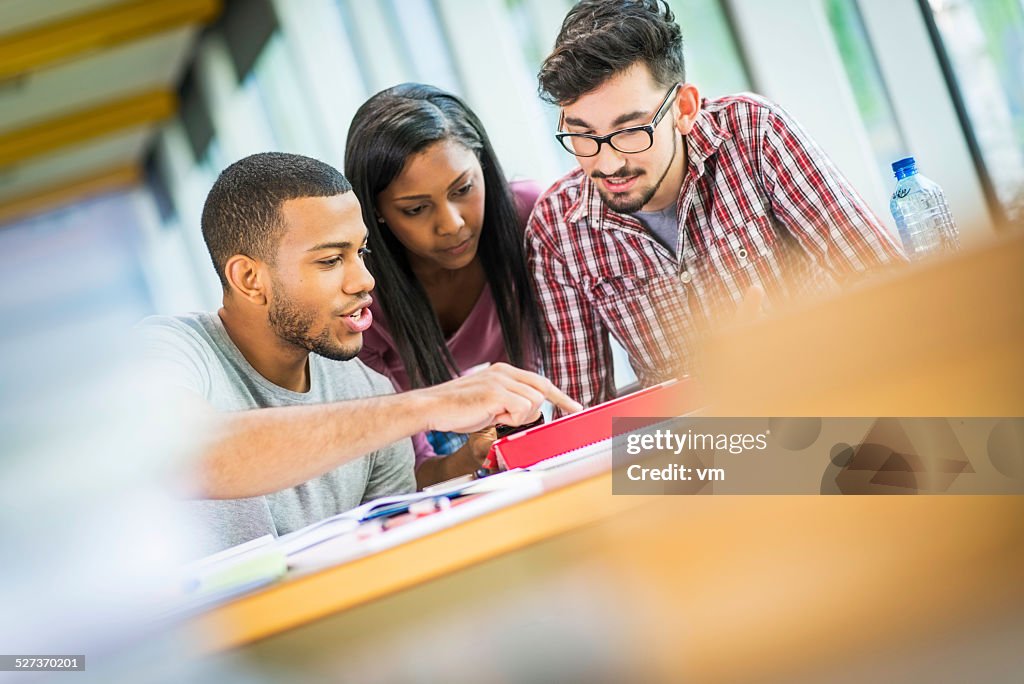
[385, 511]
[436, 503]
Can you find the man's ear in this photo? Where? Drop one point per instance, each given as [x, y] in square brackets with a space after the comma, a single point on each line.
[686, 108]
[247, 278]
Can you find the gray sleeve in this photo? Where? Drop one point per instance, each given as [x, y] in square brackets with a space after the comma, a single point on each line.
[392, 471]
[174, 354]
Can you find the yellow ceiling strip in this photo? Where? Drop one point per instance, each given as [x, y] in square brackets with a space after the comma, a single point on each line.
[43, 45]
[69, 129]
[67, 192]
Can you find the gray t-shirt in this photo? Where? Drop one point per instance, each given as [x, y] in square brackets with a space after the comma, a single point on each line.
[194, 351]
[663, 225]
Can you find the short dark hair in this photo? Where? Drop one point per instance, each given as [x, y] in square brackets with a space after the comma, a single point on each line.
[387, 130]
[242, 214]
[601, 38]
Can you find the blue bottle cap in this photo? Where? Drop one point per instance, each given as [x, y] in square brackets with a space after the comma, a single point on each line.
[904, 167]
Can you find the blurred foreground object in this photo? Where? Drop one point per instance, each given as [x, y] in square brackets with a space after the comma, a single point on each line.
[939, 338]
[91, 537]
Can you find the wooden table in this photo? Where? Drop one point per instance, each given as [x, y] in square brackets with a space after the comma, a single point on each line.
[578, 584]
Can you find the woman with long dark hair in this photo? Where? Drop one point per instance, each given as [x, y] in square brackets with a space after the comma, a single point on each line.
[446, 249]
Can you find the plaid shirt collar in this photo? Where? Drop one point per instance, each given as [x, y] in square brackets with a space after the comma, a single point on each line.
[702, 142]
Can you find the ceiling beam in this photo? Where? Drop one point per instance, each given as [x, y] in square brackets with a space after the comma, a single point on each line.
[43, 45]
[66, 192]
[46, 136]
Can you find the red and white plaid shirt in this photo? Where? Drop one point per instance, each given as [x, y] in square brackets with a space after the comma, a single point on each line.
[760, 204]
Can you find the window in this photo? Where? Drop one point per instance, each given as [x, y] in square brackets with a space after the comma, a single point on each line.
[424, 44]
[273, 84]
[536, 24]
[869, 89]
[983, 41]
[713, 60]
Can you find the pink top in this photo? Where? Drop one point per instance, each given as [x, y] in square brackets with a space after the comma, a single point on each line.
[478, 340]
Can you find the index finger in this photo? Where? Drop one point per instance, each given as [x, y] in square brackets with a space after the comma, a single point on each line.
[560, 399]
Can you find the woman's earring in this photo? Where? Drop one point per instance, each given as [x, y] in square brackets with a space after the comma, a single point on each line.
[380, 219]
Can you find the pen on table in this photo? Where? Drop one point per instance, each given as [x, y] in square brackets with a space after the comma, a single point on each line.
[432, 505]
[419, 509]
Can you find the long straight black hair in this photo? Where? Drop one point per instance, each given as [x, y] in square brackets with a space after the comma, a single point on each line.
[387, 130]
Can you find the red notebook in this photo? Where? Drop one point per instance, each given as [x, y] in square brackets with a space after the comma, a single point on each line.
[667, 400]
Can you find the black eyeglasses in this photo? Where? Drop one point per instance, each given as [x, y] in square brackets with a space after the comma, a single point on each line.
[626, 140]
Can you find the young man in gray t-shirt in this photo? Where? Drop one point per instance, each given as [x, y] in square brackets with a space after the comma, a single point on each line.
[301, 429]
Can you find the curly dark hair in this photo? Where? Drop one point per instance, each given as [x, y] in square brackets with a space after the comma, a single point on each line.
[601, 38]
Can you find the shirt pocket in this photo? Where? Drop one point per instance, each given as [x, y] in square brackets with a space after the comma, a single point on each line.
[646, 316]
[747, 255]
[622, 302]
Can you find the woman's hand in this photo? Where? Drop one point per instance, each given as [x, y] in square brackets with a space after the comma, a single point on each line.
[479, 444]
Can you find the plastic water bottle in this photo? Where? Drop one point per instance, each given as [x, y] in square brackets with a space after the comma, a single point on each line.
[922, 215]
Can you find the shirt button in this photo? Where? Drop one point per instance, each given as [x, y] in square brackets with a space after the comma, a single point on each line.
[685, 277]
[742, 255]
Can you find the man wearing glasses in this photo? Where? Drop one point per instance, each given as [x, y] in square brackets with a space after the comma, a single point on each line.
[681, 207]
